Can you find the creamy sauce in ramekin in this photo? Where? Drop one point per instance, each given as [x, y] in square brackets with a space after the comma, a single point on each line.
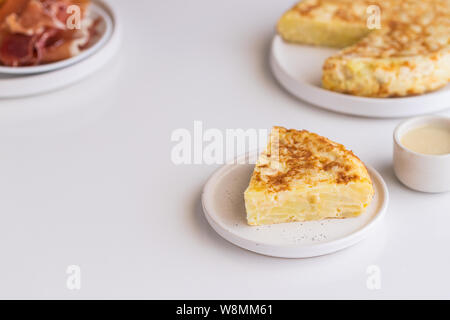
[428, 139]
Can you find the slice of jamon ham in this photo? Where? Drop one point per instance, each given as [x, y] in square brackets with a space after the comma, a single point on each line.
[37, 16]
[17, 50]
[24, 50]
[51, 46]
[35, 31]
[14, 6]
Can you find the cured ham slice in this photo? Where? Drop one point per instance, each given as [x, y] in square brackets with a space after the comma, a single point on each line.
[33, 20]
[17, 49]
[35, 31]
[57, 49]
[14, 6]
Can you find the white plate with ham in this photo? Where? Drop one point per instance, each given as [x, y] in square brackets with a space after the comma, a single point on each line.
[67, 72]
[38, 36]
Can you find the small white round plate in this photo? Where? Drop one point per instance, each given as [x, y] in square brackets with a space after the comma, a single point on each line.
[298, 68]
[104, 29]
[71, 70]
[224, 208]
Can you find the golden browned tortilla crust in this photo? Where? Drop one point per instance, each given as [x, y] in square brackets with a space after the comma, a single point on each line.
[303, 157]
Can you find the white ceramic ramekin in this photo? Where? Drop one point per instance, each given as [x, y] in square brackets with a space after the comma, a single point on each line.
[421, 172]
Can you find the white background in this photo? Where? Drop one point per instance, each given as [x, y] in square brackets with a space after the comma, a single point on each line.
[86, 176]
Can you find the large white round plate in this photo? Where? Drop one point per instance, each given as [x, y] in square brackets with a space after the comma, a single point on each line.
[298, 68]
[104, 29]
[223, 205]
[14, 86]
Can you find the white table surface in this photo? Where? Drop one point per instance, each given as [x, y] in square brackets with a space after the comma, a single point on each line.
[87, 178]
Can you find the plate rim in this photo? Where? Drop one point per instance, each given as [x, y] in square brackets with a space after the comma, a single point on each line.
[54, 66]
[316, 95]
[292, 250]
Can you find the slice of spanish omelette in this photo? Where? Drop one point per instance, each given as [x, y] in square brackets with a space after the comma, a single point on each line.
[302, 176]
